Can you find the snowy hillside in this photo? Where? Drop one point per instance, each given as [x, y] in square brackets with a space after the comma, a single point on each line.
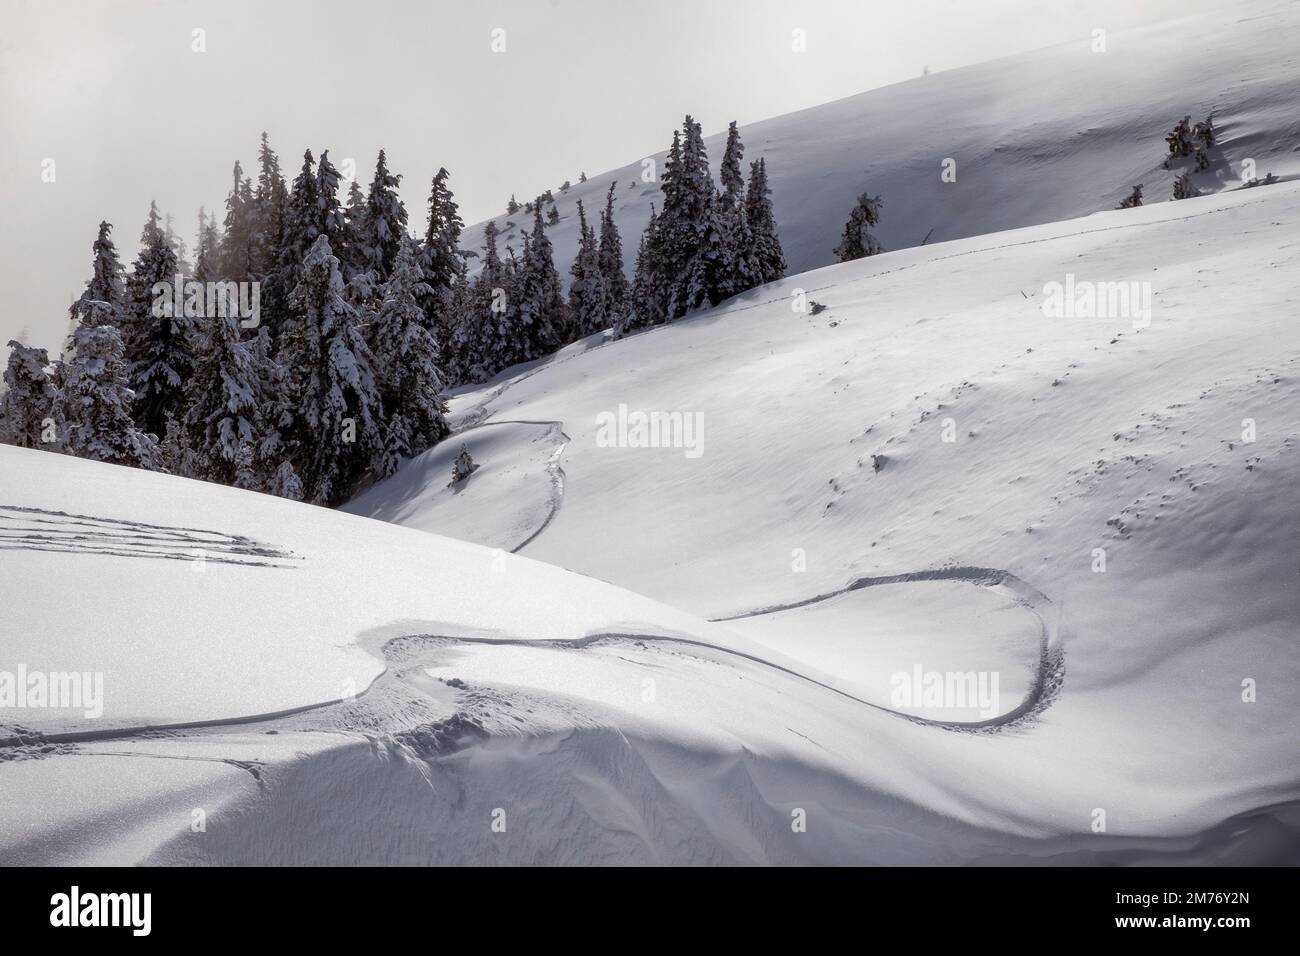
[1039, 137]
[824, 471]
[983, 550]
[507, 711]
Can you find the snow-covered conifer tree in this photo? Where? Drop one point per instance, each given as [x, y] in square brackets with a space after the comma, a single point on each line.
[611, 263]
[766, 258]
[335, 431]
[857, 241]
[441, 260]
[27, 404]
[587, 291]
[222, 413]
[406, 360]
[238, 241]
[646, 296]
[540, 322]
[103, 302]
[285, 483]
[1132, 199]
[93, 408]
[384, 226]
[269, 208]
[159, 341]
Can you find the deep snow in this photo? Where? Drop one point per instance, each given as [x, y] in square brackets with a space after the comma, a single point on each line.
[690, 653]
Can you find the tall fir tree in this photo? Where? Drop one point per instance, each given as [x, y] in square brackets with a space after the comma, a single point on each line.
[301, 224]
[691, 252]
[587, 291]
[93, 408]
[764, 255]
[611, 263]
[103, 301]
[384, 227]
[483, 339]
[331, 221]
[733, 269]
[441, 260]
[541, 322]
[205, 249]
[222, 408]
[27, 403]
[269, 208]
[406, 357]
[335, 431]
[159, 341]
[647, 296]
[177, 245]
[238, 240]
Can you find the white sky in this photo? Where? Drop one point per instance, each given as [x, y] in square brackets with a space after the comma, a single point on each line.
[113, 93]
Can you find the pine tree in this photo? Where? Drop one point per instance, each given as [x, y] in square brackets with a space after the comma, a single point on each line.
[177, 246]
[385, 221]
[611, 263]
[406, 356]
[732, 274]
[766, 258]
[512, 206]
[355, 232]
[241, 228]
[459, 347]
[541, 322]
[103, 302]
[159, 342]
[857, 241]
[1183, 187]
[331, 221]
[205, 254]
[462, 467]
[93, 408]
[175, 456]
[335, 432]
[587, 291]
[285, 483]
[482, 336]
[301, 224]
[1132, 199]
[222, 413]
[647, 297]
[441, 260]
[269, 208]
[1203, 134]
[690, 246]
[1179, 139]
[27, 403]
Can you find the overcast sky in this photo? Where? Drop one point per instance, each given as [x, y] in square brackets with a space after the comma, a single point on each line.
[115, 95]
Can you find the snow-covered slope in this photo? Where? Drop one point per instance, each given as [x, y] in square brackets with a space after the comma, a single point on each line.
[695, 653]
[1037, 137]
[1097, 476]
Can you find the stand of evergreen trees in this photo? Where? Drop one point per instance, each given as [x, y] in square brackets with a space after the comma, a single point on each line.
[361, 325]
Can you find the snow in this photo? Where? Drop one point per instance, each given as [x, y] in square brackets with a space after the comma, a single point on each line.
[689, 652]
[1070, 435]
[1037, 137]
[202, 603]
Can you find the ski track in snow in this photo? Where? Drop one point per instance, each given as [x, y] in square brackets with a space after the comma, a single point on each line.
[36, 529]
[554, 470]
